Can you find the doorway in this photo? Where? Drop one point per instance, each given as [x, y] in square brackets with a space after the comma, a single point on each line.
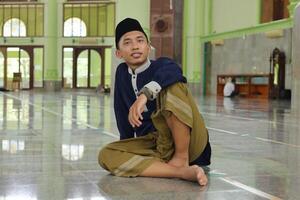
[83, 67]
[26, 61]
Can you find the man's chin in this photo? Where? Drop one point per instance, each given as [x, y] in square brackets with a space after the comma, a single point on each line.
[138, 63]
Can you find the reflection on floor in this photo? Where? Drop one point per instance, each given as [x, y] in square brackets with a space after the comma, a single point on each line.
[49, 144]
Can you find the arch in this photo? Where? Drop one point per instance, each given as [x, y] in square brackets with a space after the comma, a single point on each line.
[88, 69]
[14, 27]
[74, 27]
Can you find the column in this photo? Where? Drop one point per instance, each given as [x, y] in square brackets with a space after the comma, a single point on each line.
[292, 5]
[296, 62]
[52, 80]
[193, 29]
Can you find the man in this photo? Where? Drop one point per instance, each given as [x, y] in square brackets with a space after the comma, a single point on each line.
[161, 130]
[229, 88]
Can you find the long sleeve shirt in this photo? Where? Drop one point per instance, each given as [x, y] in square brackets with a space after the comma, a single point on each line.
[155, 75]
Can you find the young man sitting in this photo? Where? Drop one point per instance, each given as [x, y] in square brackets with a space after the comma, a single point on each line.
[162, 133]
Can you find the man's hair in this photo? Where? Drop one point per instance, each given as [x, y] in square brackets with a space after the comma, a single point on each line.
[126, 26]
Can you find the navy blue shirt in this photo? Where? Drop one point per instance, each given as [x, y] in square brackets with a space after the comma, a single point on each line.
[163, 71]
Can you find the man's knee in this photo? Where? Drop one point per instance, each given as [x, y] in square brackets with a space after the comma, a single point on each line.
[169, 119]
[173, 121]
[103, 157]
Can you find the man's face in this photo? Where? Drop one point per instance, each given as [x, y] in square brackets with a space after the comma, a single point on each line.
[133, 48]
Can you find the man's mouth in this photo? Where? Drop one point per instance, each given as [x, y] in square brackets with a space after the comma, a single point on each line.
[136, 55]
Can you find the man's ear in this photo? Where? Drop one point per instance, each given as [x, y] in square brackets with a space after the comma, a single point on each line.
[149, 47]
[118, 53]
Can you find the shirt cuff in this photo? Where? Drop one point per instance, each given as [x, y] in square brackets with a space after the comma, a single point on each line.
[154, 87]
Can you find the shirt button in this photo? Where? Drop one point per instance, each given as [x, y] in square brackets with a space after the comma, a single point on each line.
[133, 77]
[135, 90]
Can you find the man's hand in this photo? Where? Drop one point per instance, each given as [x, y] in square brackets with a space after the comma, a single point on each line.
[136, 110]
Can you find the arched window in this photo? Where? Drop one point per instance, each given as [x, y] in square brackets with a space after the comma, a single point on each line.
[13, 146]
[74, 27]
[14, 28]
[72, 151]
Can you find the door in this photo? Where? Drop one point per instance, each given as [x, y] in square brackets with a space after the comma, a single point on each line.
[83, 67]
[26, 61]
[18, 61]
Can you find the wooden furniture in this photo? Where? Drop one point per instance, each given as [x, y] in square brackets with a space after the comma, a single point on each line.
[16, 82]
[248, 85]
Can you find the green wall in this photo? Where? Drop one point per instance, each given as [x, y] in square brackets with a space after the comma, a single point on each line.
[209, 20]
[234, 14]
[52, 37]
[139, 9]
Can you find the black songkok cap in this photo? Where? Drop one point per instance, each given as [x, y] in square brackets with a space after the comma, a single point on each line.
[126, 26]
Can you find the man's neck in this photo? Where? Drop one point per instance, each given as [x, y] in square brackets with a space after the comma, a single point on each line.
[139, 68]
[134, 67]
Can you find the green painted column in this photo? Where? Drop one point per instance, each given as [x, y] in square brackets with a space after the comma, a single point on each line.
[258, 11]
[54, 182]
[193, 29]
[51, 71]
[208, 7]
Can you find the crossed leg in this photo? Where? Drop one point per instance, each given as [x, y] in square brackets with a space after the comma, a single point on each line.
[165, 170]
[178, 166]
[181, 138]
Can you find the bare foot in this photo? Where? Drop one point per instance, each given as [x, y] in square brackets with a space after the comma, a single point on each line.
[195, 173]
[179, 162]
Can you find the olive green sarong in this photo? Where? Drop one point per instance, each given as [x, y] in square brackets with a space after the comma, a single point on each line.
[130, 157]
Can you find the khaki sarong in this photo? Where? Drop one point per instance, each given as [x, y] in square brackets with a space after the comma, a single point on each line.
[130, 157]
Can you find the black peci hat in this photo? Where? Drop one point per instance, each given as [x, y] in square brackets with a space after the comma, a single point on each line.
[126, 26]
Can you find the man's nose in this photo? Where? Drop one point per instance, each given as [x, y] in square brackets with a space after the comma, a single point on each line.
[135, 45]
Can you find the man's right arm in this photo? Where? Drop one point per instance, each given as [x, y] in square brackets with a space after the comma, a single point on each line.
[121, 112]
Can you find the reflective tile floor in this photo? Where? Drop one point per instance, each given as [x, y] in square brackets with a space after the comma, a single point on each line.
[49, 144]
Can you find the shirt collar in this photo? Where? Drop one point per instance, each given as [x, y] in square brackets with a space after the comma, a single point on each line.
[140, 68]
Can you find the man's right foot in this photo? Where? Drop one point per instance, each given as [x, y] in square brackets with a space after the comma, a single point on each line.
[195, 173]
